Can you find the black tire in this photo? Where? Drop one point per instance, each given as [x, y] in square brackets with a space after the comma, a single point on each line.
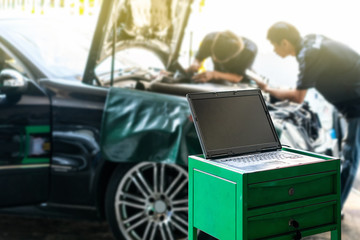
[148, 201]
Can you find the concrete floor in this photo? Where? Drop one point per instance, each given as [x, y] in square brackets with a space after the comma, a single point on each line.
[27, 228]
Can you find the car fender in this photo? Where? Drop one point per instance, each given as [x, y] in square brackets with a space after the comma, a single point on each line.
[144, 126]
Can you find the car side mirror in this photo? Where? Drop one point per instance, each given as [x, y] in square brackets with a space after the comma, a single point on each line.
[12, 82]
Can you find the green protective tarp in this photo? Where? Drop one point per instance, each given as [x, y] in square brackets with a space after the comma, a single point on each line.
[144, 126]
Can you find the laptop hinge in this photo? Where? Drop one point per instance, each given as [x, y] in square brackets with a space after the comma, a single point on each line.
[223, 155]
[269, 149]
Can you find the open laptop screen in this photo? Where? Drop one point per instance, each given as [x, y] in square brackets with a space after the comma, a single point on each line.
[233, 122]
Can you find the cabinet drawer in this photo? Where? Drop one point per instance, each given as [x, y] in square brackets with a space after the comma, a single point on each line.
[290, 189]
[281, 223]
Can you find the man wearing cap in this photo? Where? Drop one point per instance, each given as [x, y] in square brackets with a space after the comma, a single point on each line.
[231, 56]
[333, 69]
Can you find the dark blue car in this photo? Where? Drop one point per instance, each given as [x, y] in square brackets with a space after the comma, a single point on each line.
[107, 138]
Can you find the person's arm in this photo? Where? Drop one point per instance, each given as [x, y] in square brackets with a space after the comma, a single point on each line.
[216, 75]
[294, 95]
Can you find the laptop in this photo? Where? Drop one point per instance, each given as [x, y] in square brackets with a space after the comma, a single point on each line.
[235, 128]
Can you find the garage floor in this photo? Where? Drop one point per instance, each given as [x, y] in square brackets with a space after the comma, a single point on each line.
[21, 228]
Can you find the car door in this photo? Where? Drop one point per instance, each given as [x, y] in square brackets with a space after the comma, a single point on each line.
[24, 135]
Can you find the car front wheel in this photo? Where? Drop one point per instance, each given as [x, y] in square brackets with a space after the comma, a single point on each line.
[148, 201]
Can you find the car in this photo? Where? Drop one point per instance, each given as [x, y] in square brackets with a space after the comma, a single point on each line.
[111, 143]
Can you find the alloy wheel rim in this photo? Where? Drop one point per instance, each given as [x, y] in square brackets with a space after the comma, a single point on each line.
[151, 202]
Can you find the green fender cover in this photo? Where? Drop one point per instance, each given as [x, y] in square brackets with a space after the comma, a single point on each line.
[144, 126]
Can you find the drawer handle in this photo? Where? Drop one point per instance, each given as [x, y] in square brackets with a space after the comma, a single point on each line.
[297, 235]
[294, 223]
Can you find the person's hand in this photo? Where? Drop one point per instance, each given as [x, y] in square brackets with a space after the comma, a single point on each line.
[262, 85]
[260, 82]
[204, 77]
[192, 68]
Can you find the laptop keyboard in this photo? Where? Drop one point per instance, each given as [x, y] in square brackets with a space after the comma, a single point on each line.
[260, 157]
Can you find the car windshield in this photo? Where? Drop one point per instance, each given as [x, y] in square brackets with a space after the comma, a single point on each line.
[59, 48]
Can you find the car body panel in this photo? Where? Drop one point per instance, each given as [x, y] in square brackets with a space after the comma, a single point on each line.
[152, 25]
[77, 110]
[140, 126]
[25, 146]
[155, 24]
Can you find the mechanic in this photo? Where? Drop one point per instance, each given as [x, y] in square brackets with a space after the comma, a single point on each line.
[230, 54]
[333, 69]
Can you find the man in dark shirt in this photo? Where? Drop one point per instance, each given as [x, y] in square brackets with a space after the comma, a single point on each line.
[231, 56]
[334, 70]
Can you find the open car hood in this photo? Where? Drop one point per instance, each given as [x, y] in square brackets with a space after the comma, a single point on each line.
[157, 25]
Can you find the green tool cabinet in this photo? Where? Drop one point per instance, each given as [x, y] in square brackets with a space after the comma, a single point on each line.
[277, 203]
